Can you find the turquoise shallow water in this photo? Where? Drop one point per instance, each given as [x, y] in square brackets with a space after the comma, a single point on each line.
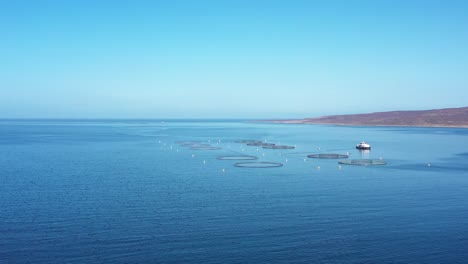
[121, 191]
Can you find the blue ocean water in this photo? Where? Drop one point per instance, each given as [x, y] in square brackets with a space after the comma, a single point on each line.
[122, 191]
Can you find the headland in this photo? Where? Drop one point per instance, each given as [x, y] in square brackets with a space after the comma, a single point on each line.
[448, 117]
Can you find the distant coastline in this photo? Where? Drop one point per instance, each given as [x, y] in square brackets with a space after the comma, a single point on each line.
[448, 117]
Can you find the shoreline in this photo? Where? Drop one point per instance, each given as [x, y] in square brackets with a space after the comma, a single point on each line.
[436, 118]
[305, 122]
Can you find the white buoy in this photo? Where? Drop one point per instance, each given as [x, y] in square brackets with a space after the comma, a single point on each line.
[193, 155]
[263, 154]
[305, 160]
[318, 167]
[223, 170]
[159, 141]
[339, 167]
[428, 164]
[380, 158]
[204, 162]
[286, 160]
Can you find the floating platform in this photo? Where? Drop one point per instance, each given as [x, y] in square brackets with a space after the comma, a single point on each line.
[328, 156]
[363, 162]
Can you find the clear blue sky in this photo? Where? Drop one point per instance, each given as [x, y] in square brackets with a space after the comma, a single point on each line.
[212, 59]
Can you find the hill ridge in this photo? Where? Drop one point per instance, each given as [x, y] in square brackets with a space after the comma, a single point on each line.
[446, 117]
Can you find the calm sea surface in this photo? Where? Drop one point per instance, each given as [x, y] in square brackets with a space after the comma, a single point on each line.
[125, 192]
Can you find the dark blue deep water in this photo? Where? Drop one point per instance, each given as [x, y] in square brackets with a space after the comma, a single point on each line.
[125, 192]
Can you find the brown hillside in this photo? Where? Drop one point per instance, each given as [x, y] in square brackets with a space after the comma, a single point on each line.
[450, 117]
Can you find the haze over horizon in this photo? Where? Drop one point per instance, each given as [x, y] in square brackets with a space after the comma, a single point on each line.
[230, 59]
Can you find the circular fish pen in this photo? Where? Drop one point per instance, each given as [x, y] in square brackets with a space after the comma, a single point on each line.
[279, 147]
[363, 162]
[328, 156]
[247, 141]
[260, 144]
[204, 148]
[237, 158]
[258, 165]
